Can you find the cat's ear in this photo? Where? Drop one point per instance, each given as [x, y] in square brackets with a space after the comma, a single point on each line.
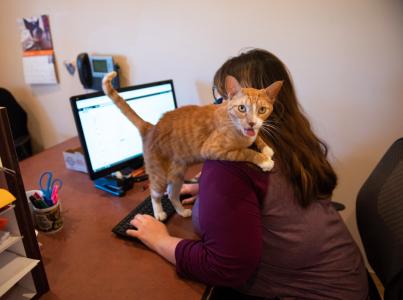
[273, 89]
[27, 24]
[232, 86]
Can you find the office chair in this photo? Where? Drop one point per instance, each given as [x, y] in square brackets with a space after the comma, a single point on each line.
[18, 123]
[379, 211]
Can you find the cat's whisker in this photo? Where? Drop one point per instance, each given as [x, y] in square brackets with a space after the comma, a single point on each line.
[266, 130]
[272, 130]
[272, 122]
[271, 127]
[269, 133]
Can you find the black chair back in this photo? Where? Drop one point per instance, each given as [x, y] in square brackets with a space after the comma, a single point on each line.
[379, 213]
[18, 123]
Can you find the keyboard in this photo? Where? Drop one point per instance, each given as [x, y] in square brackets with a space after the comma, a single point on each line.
[144, 207]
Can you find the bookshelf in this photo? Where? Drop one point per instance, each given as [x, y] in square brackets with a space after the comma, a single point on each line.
[22, 274]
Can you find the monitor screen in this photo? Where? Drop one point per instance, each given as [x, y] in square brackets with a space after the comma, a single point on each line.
[109, 140]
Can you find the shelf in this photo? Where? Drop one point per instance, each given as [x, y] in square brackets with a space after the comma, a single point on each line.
[11, 240]
[18, 292]
[18, 255]
[12, 269]
[7, 208]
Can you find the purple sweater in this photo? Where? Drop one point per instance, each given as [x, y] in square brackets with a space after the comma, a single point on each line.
[255, 237]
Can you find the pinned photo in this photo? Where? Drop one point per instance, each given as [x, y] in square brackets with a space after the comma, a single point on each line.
[35, 33]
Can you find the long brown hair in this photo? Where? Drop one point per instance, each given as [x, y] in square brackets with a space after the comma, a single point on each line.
[299, 153]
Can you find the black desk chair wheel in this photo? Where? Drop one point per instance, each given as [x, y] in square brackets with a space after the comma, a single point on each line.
[379, 211]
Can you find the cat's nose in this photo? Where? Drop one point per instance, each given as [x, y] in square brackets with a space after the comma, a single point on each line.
[251, 124]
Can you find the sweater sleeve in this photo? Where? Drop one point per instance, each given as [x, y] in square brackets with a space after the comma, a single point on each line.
[230, 247]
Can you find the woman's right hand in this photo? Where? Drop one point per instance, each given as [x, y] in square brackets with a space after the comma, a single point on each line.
[191, 189]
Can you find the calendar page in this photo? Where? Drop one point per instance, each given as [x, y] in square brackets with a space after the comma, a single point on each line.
[37, 46]
[39, 69]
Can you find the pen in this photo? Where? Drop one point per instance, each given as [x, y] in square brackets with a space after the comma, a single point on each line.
[54, 197]
[37, 199]
[41, 201]
[33, 201]
[45, 200]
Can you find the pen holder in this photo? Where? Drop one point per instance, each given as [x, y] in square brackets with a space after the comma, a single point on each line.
[47, 220]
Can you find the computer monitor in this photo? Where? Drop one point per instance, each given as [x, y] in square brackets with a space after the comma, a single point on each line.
[109, 140]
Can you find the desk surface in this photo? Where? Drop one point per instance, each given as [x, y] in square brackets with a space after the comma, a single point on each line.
[85, 260]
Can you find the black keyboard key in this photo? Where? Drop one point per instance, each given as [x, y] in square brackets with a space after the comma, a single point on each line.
[144, 207]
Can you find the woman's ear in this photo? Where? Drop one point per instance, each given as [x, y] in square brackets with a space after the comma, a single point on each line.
[232, 86]
[273, 89]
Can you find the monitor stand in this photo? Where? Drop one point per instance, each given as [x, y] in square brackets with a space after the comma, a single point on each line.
[113, 185]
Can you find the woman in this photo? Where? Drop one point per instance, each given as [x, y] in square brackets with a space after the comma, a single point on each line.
[272, 234]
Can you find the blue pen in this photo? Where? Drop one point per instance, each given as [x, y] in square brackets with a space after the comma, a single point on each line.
[48, 202]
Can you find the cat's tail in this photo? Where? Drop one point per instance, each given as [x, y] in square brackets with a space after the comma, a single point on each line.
[141, 125]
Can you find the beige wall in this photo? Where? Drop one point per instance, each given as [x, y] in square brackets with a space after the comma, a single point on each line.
[346, 58]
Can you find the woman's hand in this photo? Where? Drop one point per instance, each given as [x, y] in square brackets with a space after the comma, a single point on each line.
[149, 230]
[191, 189]
[154, 235]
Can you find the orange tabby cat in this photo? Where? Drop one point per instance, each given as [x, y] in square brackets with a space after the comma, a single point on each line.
[191, 134]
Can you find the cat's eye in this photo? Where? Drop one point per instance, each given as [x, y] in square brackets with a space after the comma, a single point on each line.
[262, 110]
[242, 108]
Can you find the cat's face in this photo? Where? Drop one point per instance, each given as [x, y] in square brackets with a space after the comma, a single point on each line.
[248, 107]
[34, 29]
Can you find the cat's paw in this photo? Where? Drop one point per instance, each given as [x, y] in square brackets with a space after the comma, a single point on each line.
[185, 213]
[161, 216]
[268, 152]
[267, 165]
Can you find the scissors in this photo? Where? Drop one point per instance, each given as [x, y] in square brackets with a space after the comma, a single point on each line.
[47, 184]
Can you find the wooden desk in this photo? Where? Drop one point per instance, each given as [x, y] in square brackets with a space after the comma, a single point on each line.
[85, 260]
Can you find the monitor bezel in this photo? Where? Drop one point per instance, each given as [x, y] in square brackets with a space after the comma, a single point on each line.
[135, 162]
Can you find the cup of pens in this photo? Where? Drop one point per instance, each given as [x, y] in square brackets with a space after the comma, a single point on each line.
[45, 206]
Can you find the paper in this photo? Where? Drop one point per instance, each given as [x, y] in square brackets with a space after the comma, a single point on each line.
[74, 160]
[39, 69]
[5, 198]
[37, 46]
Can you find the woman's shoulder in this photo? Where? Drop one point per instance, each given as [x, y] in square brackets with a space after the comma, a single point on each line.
[235, 165]
[243, 165]
[225, 170]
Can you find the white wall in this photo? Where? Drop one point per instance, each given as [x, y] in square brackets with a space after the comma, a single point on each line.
[346, 58]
